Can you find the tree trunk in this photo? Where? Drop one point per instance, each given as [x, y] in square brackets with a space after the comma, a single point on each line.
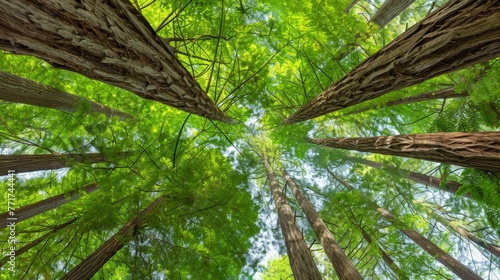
[109, 41]
[458, 268]
[459, 34]
[479, 150]
[450, 186]
[300, 258]
[492, 248]
[343, 266]
[30, 163]
[39, 207]
[445, 93]
[91, 264]
[389, 10]
[37, 241]
[20, 90]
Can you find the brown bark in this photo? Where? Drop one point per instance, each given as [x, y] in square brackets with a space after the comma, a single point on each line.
[479, 150]
[445, 93]
[39, 207]
[20, 90]
[450, 186]
[109, 41]
[30, 163]
[300, 258]
[91, 264]
[459, 34]
[389, 10]
[444, 258]
[343, 266]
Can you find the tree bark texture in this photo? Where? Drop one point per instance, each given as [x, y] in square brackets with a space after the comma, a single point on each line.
[389, 10]
[106, 40]
[343, 266]
[20, 90]
[444, 258]
[30, 163]
[479, 150]
[39, 207]
[449, 186]
[459, 34]
[300, 258]
[91, 264]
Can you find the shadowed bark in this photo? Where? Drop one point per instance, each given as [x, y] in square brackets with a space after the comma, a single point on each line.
[39, 207]
[109, 41]
[459, 34]
[389, 10]
[479, 150]
[444, 258]
[20, 90]
[343, 266]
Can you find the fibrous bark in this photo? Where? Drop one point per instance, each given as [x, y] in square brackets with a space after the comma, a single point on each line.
[343, 266]
[106, 40]
[20, 90]
[91, 264]
[459, 34]
[451, 263]
[480, 150]
[389, 10]
[39, 207]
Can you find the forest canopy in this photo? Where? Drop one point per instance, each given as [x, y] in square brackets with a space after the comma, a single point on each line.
[243, 139]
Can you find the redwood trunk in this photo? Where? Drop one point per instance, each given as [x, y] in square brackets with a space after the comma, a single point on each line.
[479, 150]
[343, 266]
[20, 90]
[91, 264]
[109, 41]
[30, 163]
[36, 208]
[457, 267]
[389, 10]
[300, 258]
[459, 34]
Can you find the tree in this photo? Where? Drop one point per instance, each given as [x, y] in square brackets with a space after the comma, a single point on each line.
[19, 90]
[116, 48]
[454, 32]
[389, 10]
[343, 266]
[477, 150]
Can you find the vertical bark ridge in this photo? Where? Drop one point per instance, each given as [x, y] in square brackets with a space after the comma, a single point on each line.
[389, 10]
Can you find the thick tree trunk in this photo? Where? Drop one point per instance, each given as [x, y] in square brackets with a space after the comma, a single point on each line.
[109, 41]
[37, 241]
[39, 207]
[458, 268]
[300, 258]
[446, 93]
[450, 186]
[91, 264]
[20, 90]
[389, 10]
[479, 150]
[343, 266]
[459, 34]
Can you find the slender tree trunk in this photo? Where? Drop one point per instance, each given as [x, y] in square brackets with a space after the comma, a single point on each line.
[343, 266]
[446, 93]
[37, 241]
[109, 41]
[449, 186]
[479, 150]
[20, 90]
[389, 10]
[30, 163]
[39, 207]
[300, 258]
[459, 34]
[348, 9]
[492, 248]
[91, 264]
[458, 268]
